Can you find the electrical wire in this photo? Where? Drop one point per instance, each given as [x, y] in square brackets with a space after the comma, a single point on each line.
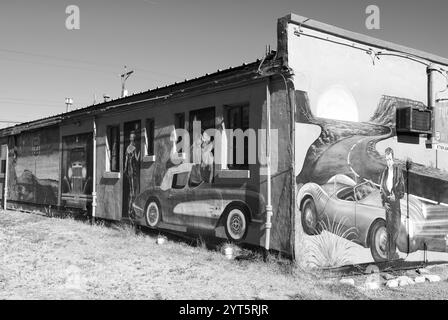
[19, 52]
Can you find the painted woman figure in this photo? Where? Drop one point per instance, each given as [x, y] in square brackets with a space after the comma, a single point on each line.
[392, 190]
[207, 159]
[131, 169]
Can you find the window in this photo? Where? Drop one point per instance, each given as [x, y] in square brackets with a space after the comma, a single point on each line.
[180, 180]
[237, 117]
[113, 148]
[3, 167]
[3, 157]
[179, 120]
[149, 137]
[179, 123]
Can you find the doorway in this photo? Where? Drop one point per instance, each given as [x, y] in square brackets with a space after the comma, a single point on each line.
[131, 165]
[202, 145]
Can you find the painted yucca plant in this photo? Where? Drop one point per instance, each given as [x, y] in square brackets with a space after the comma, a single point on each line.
[330, 248]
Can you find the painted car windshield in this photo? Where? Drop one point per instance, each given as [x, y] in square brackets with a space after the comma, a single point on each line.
[346, 194]
[180, 180]
[362, 191]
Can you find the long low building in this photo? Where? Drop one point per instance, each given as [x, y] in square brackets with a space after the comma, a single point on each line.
[275, 153]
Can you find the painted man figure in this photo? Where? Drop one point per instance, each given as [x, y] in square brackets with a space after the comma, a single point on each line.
[131, 170]
[392, 190]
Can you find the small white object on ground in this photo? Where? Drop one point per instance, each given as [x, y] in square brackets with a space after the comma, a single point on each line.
[432, 277]
[348, 281]
[392, 283]
[373, 285]
[228, 251]
[160, 240]
[404, 281]
[420, 279]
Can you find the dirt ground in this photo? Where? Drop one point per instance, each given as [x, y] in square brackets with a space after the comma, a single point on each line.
[53, 258]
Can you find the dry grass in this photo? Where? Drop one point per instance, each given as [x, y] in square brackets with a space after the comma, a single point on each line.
[53, 258]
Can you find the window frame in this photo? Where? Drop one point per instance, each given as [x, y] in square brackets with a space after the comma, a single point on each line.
[109, 150]
[227, 109]
[150, 133]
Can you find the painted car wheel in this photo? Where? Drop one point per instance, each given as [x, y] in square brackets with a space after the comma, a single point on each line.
[153, 215]
[236, 224]
[378, 241]
[310, 221]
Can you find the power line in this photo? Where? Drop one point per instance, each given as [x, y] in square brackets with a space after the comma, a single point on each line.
[61, 105]
[10, 51]
[60, 66]
[33, 100]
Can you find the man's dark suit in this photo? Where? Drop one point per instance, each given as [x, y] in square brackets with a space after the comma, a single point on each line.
[393, 210]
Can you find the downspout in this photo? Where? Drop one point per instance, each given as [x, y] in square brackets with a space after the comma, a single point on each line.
[431, 102]
[94, 173]
[268, 224]
[430, 69]
[5, 196]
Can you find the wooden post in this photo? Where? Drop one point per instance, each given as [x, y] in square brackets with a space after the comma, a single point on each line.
[94, 173]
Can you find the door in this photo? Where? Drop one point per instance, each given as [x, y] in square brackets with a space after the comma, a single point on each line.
[131, 165]
[178, 201]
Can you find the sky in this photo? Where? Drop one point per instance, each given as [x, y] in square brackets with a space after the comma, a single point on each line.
[164, 41]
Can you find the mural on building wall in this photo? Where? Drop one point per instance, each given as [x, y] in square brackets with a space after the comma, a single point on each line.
[376, 197]
[76, 169]
[186, 195]
[33, 174]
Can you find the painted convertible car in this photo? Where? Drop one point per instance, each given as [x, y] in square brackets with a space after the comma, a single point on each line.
[185, 199]
[358, 207]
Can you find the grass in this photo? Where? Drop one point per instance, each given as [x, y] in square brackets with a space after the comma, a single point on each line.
[55, 258]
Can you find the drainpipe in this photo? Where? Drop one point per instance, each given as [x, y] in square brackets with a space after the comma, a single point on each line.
[5, 195]
[431, 102]
[268, 224]
[94, 173]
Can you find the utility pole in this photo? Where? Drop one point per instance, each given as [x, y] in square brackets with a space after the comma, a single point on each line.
[125, 77]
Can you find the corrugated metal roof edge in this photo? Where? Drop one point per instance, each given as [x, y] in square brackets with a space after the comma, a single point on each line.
[51, 120]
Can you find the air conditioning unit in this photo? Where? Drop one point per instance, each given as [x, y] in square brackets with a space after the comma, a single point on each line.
[413, 119]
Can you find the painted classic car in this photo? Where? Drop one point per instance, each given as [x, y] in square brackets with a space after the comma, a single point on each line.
[358, 207]
[185, 199]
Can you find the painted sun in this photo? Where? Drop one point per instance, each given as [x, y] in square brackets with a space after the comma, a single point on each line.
[338, 103]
